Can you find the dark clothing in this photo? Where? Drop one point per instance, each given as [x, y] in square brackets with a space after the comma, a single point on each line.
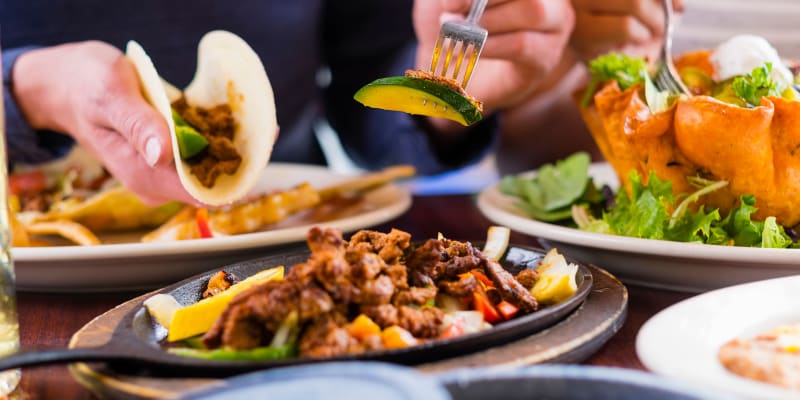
[358, 40]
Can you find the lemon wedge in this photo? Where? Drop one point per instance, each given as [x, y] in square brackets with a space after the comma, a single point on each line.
[557, 279]
[199, 317]
[497, 238]
[162, 307]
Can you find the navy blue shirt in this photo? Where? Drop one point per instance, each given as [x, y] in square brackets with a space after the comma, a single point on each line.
[356, 40]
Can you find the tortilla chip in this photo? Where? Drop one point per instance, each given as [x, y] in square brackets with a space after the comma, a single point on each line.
[70, 230]
[116, 209]
[19, 236]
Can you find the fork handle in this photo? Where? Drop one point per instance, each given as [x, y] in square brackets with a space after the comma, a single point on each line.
[476, 11]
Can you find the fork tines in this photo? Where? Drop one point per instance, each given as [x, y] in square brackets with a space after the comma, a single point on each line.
[461, 39]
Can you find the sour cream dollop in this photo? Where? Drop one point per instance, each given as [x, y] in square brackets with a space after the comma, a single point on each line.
[740, 54]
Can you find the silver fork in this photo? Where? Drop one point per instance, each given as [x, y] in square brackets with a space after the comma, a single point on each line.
[466, 34]
[667, 77]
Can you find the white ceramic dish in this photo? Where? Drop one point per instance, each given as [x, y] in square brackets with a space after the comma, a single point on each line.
[133, 265]
[680, 266]
[682, 341]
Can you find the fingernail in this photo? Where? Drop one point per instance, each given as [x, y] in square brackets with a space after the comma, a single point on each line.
[152, 151]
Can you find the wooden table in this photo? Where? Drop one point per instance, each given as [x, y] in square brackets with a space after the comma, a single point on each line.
[49, 320]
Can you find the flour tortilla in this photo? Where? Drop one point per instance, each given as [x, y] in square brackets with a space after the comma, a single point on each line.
[228, 72]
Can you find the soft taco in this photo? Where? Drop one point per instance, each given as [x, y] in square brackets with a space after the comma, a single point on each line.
[223, 125]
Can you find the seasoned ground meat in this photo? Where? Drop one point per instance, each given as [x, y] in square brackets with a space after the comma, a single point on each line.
[325, 337]
[342, 279]
[414, 295]
[217, 126]
[459, 288]
[421, 322]
[527, 278]
[441, 259]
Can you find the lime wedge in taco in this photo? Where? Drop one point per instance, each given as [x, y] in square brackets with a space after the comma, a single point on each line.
[223, 125]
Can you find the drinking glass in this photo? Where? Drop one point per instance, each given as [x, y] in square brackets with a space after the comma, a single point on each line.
[9, 328]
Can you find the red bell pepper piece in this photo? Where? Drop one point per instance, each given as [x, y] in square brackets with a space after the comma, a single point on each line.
[26, 182]
[201, 216]
[507, 310]
[485, 306]
[482, 277]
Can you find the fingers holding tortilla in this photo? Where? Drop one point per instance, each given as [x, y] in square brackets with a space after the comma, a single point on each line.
[225, 124]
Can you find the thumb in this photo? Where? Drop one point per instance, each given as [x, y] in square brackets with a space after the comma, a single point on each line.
[144, 128]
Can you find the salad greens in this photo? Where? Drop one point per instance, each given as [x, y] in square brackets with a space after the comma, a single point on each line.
[651, 210]
[626, 70]
[549, 195]
[755, 85]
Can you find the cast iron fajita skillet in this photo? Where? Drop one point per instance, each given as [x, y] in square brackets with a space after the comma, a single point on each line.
[136, 345]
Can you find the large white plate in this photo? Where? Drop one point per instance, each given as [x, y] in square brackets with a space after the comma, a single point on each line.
[133, 265]
[691, 267]
[682, 341]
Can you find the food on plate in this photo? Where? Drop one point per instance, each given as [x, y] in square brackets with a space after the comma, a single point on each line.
[422, 93]
[375, 291]
[75, 198]
[223, 124]
[772, 357]
[243, 217]
[61, 205]
[255, 213]
[651, 210]
[740, 126]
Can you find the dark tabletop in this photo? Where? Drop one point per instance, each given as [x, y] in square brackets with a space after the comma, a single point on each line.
[49, 320]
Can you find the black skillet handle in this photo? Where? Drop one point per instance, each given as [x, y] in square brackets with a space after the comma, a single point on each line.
[43, 356]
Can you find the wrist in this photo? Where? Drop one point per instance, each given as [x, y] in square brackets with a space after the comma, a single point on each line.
[36, 90]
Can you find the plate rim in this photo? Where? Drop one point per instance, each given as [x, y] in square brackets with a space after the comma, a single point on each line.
[619, 375]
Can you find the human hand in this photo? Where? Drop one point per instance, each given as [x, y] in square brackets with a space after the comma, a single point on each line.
[635, 27]
[91, 91]
[526, 40]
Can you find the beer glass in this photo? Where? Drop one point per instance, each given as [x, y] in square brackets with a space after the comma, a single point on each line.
[9, 328]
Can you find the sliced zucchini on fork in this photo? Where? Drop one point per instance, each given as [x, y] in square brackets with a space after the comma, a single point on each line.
[420, 97]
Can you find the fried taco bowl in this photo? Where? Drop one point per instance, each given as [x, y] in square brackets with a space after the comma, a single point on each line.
[231, 89]
[755, 148]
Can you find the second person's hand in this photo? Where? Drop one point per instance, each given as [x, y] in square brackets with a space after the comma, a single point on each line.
[635, 27]
[526, 41]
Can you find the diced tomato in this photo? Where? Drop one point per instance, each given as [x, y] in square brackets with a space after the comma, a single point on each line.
[26, 182]
[482, 304]
[455, 329]
[507, 310]
[482, 277]
[202, 223]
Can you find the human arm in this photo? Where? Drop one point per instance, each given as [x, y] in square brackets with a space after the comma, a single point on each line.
[90, 91]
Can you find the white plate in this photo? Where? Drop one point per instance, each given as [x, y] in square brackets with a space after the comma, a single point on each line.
[691, 267]
[682, 341]
[133, 265]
